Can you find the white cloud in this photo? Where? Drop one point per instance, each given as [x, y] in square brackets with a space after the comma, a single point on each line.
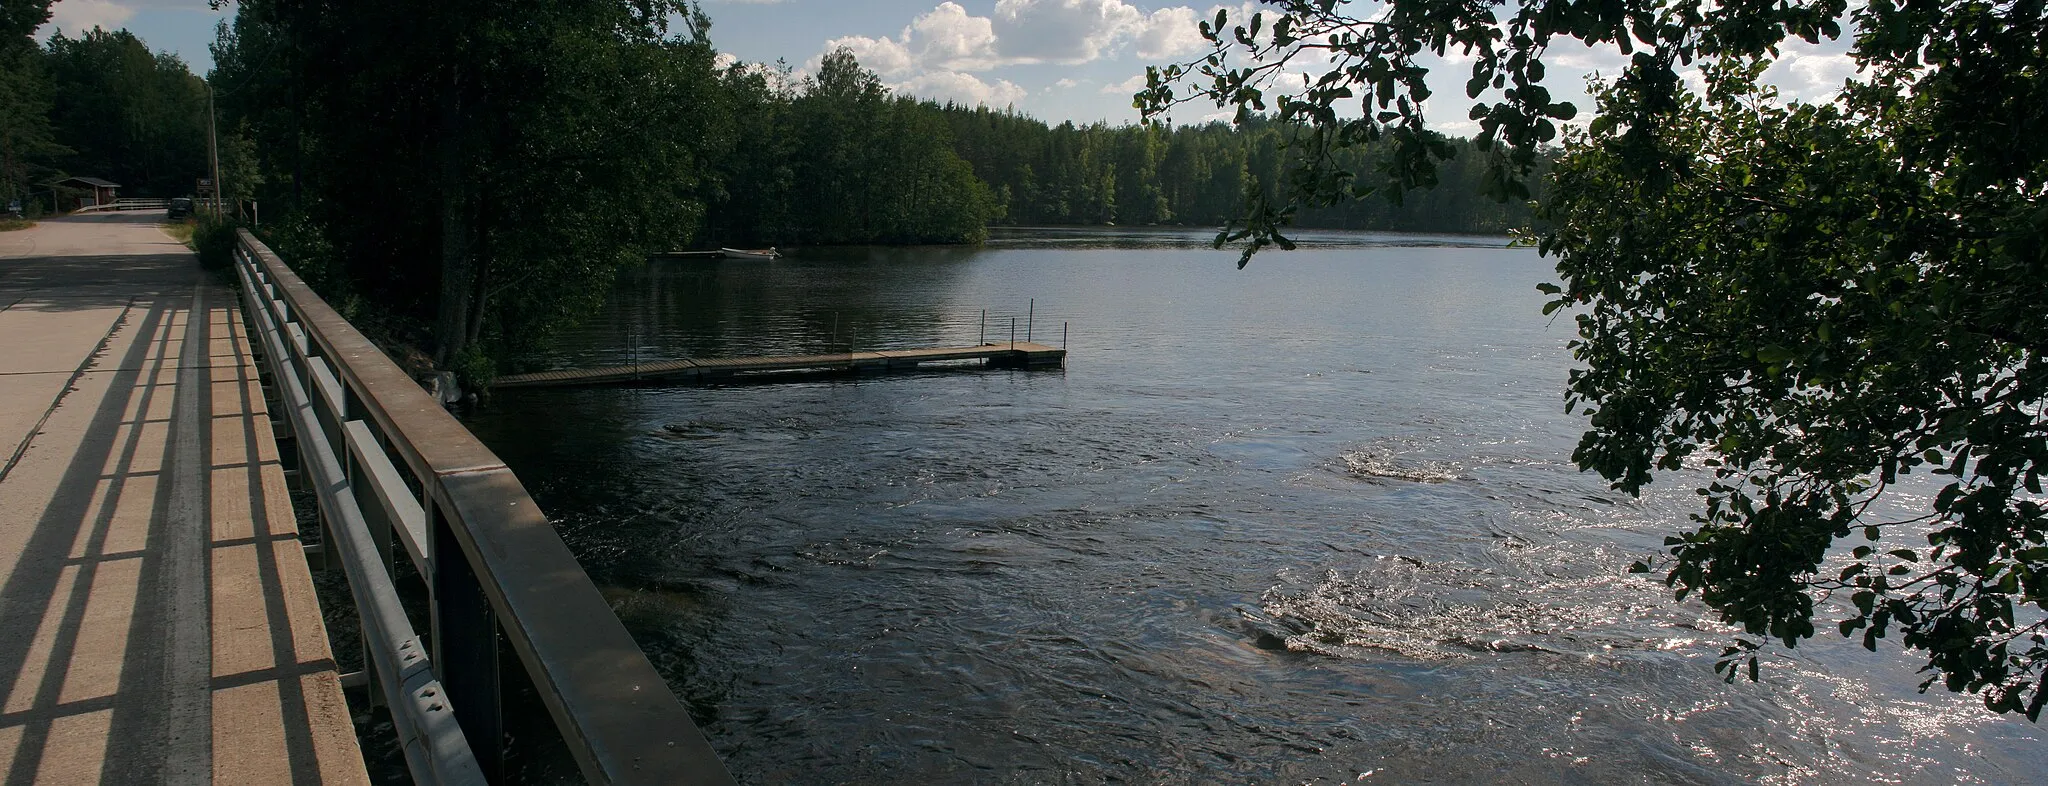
[1063, 32]
[1126, 87]
[78, 16]
[1067, 32]
[1170, 32]
[1464, 128]
[945, 38]
[948, 37]
[937, 53]
[1811, 73]
[961, 88]
[881, 55]
[1604, 60]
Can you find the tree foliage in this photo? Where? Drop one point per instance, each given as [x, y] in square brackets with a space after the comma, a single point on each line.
[27, 143]
[876, 169]
[1194, 175]
[837, 159]
[127, 114]
[99, 104]
[483, 167]
[1815, 301]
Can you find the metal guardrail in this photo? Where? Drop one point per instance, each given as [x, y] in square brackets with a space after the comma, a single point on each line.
[126, 204]
[492, 563]
[1028, 323]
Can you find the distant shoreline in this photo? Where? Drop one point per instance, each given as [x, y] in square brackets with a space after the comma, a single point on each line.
[1187, 235]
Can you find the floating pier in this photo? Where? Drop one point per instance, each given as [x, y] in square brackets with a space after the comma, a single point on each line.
[1007, 354]
[723, 253]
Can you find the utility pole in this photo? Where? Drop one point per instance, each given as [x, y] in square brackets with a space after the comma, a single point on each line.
[212, 149]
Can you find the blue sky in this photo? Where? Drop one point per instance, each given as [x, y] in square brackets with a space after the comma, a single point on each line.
[1054, 59]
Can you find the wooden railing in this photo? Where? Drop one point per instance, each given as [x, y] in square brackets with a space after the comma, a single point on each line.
[388, 463]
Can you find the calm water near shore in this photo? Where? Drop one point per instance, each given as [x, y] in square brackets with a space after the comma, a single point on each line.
[1314, 521]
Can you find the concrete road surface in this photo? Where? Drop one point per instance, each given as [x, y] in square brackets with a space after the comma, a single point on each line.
[157, 620]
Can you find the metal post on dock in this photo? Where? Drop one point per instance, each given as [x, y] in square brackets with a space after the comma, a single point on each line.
[1030, 317]
[1013, 332]
[1063, 336]
[984, 328]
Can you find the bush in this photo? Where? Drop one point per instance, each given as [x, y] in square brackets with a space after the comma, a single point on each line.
[474, 367]
[305, 248]
[214, 238]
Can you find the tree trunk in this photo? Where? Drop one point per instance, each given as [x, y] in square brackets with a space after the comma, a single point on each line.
[480, 290]
[451, 329]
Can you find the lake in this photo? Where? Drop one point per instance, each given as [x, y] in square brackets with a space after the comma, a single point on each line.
[1313, 521]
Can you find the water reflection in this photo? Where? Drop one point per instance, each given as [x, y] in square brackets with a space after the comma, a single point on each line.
[822, 300]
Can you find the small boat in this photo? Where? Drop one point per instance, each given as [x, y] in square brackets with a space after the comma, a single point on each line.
[749, 253]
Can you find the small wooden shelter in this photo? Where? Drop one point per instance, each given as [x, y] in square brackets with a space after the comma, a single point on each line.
[79, 191]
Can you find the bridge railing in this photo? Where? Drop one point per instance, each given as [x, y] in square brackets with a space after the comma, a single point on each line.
[396, 475]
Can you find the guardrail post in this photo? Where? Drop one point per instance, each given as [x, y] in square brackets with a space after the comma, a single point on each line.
[466, 647]
[379, 522]
[328, 557]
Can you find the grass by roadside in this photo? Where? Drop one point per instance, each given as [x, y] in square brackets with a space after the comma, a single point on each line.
[11, 224]
[180, 231]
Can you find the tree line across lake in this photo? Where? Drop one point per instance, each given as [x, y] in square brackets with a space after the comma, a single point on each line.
[834, 158]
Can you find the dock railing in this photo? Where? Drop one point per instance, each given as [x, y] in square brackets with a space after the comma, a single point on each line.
[388, 463]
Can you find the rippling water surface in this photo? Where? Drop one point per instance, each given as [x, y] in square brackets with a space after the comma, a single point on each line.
[1310, 522]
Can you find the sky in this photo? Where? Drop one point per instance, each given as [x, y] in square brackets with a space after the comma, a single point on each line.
[1056, 60]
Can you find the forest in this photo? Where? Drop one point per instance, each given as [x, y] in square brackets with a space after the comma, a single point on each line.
[866, 165]
[478, 175]
[100, 105]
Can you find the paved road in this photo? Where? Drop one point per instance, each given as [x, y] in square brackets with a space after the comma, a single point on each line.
[157, 619]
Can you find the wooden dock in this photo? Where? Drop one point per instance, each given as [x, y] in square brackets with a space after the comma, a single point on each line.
[1020, 354]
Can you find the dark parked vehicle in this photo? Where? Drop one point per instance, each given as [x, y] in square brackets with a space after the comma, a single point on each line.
[180, 208]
